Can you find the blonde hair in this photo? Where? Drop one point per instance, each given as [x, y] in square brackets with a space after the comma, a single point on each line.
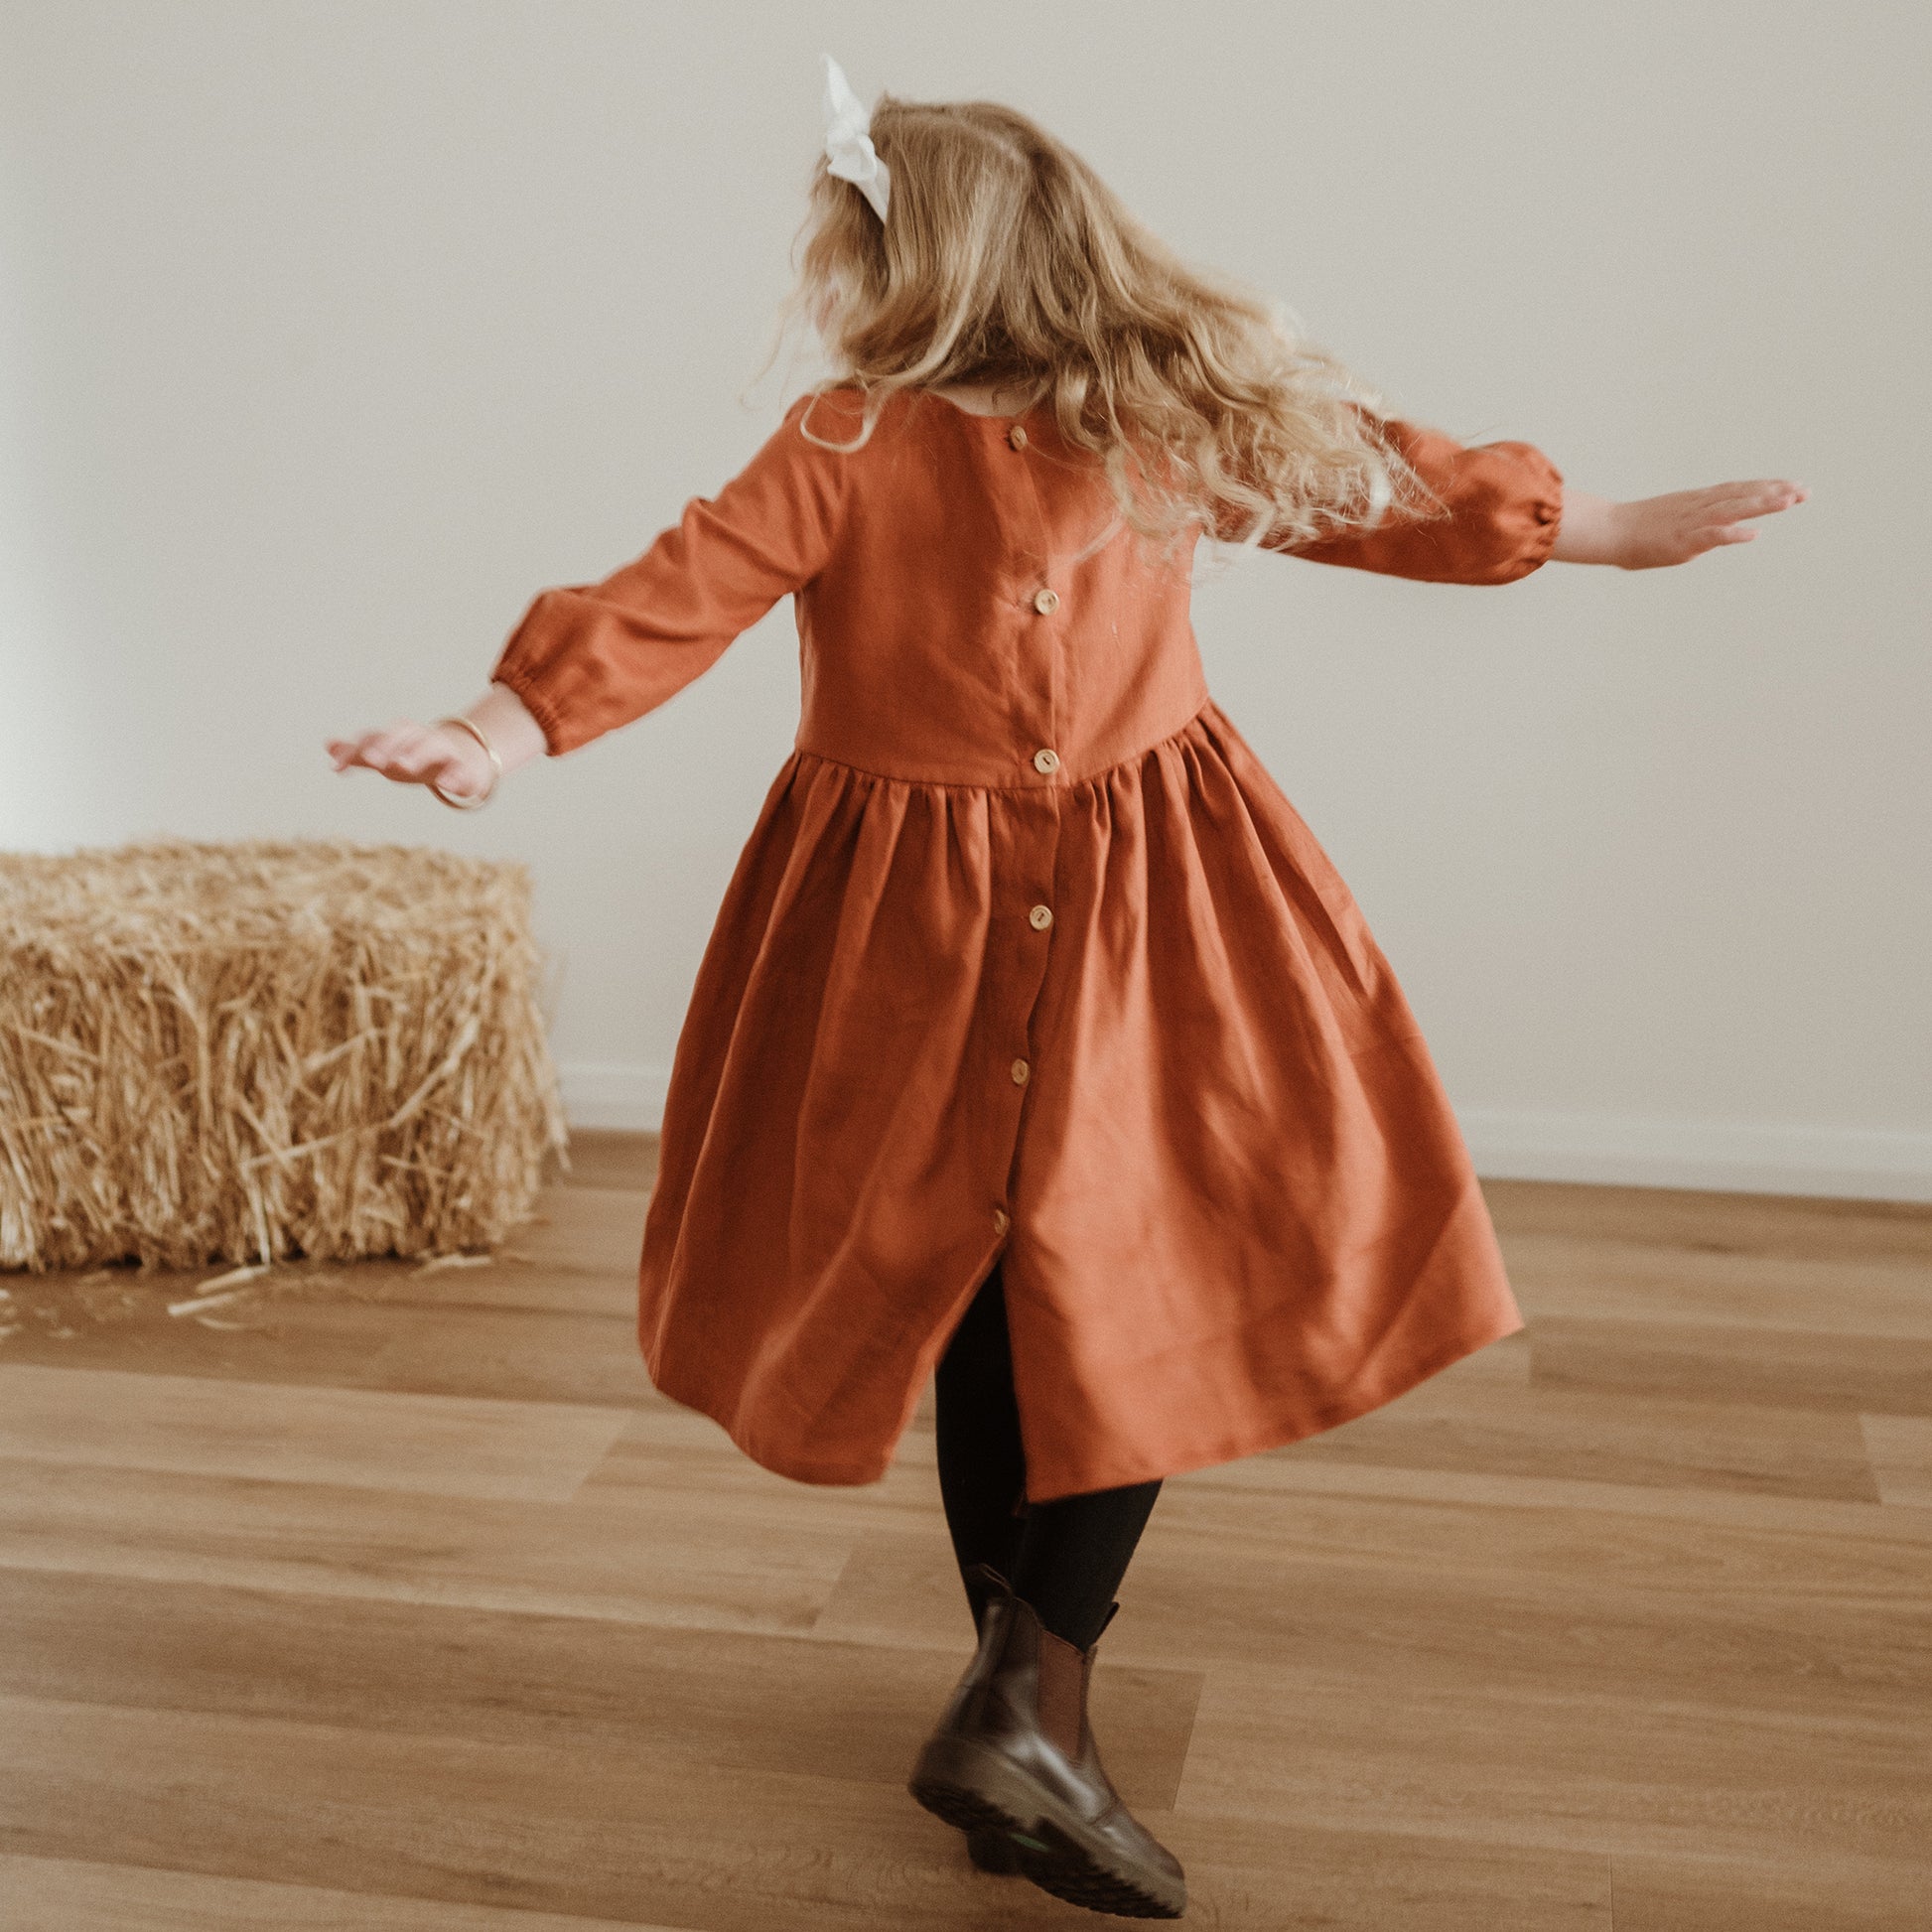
[1006, 261]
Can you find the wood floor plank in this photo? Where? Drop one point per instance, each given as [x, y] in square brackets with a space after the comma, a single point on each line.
[1252, 1875]
[634, 1836]
[636, 1559]
[332, 1354]
[1708, 1362]
[316, 1322]
[667, 1448]
[535, 1356]
[1425, 1626]
[1502, 1364]
[1718, 1506]
[607, 1835]
[1902, 1458]
[1710, 1221]
[283, 1329]
[598, 1230]
[613, 1834]
[434, 1444]
[607, 1157]
[1669, 1556]
[757, 1702]
[1577, 1770]
[1588, 1434]
[1570, 1273]
[1283, 1878]
[1816, 1893]
[75, 1896]
[509, 1330]
[511, 1281]
[429, 1345]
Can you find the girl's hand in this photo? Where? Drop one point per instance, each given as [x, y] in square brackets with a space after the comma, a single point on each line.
[439, 755]
[418, 755]
[1670, 530]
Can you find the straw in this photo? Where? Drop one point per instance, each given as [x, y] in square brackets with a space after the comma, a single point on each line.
[251, 1051]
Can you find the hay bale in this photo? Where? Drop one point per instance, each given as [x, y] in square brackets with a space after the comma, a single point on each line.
[255, 1050]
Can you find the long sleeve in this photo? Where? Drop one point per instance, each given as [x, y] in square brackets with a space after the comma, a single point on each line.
[1505, 502]
[586, 658]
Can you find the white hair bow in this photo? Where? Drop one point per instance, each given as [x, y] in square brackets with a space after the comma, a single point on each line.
[849, 152]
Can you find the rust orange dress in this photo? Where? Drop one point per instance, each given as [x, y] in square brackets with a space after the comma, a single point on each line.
[1028, 957]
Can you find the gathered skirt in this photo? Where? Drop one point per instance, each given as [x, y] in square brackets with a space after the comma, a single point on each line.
[1130, 1036]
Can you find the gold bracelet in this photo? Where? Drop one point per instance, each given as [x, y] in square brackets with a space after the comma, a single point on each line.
[496, 769]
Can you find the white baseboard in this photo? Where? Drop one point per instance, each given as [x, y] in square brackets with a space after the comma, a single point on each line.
[1848, 1162]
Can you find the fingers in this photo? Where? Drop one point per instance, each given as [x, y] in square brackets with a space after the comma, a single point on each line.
[404, 752]
[409, 752]
[361, 750]
[1706, 536]
[1673, 528]
[371, 747]
[1758, 498]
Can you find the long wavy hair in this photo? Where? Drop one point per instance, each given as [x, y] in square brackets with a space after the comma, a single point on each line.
[1006, 261]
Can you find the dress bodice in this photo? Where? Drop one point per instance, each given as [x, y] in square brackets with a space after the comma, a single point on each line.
[971, 608]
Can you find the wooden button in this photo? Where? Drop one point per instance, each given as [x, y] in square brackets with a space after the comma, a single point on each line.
[1000, 1221]
[1046, 760]
[1016, 436]
[1045, 603]
[1041, 917]
[1020, 1072]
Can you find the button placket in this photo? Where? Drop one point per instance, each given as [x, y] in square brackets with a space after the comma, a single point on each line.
[1025, 849]
[1024, 854]
[1042, 654]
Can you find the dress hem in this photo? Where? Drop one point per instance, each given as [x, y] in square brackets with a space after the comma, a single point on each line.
[1362, 1400]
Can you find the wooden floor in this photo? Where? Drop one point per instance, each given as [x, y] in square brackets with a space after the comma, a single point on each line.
[406, 1603]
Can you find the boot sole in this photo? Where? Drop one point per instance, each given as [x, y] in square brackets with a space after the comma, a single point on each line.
[972, 1788]
[991, 1850]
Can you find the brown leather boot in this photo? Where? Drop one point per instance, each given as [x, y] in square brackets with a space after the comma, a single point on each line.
[1015, 1753]
[987, 1846]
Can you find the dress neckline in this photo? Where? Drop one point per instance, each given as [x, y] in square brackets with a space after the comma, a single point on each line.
[986, 416]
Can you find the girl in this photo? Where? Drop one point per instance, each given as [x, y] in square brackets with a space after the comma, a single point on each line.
[1039, 1043]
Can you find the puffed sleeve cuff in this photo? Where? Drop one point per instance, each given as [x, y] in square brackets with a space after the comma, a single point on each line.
[588, 658]
[516, 672]
[1508, 508]
[1504, 503]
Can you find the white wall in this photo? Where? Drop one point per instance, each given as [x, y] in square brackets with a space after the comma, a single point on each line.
[330, 332]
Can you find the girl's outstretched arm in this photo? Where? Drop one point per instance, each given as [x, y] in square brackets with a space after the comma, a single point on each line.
[1670, 530]
[589, 657]
[1504, 504]
[1510, 511]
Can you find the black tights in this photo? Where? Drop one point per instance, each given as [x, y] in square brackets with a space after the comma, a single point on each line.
[1066, 1557]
